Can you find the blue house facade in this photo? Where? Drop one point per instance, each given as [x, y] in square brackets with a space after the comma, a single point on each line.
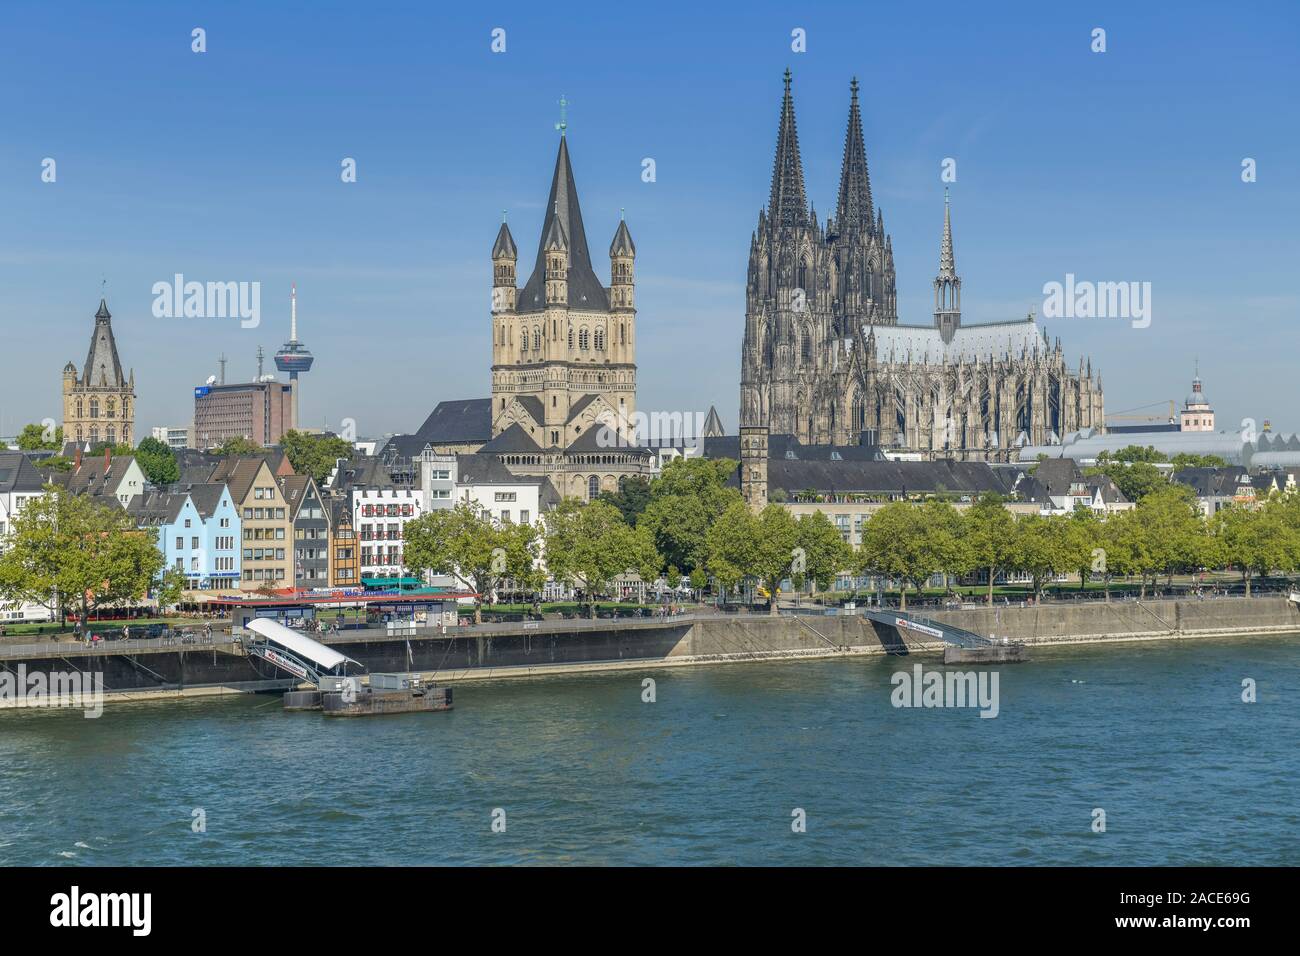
[198, 533]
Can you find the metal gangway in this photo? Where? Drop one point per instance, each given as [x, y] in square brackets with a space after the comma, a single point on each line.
[294, 653]
[914, 624]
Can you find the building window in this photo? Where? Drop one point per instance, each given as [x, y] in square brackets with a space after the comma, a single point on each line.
[94, 408]
[593, 488]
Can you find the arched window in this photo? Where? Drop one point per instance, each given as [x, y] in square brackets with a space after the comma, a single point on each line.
[600, 339]
[593, 488]
[94, 434]
[805, 346]
[523, 345]
[584, 339]
[802, 275]
[110, 409]
[537, 339]
[94, 408]
[570, 336]
[111, 435]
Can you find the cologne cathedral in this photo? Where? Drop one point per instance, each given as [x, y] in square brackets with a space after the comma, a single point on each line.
[826, 360]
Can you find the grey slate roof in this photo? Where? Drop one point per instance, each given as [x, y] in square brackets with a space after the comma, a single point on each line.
[622, 244]
[585, 290]
[464, 420]
[511, 441]
[505, 244]
[17, 473]
[405, 446]
[206, 496]
[102, 365]
[880, 477]
[487, 469]
[789, 447]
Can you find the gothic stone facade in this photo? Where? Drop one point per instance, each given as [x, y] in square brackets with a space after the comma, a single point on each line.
[564, 353]
[825, 359]
[99, 405]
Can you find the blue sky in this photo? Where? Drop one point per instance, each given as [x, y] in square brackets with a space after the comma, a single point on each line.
[225, 166]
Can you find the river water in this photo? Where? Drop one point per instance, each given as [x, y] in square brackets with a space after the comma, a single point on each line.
[582, 771]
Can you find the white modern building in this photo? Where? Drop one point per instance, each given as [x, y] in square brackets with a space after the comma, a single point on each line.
[20, 482]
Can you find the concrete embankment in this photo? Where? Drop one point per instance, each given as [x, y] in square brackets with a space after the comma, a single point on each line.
[553, 647]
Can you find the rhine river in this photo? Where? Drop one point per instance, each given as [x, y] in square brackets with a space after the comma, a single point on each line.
[1155, 734]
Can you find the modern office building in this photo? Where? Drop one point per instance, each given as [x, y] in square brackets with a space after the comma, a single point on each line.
[259, 411]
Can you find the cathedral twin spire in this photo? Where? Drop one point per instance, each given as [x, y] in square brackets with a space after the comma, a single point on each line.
[788, 204]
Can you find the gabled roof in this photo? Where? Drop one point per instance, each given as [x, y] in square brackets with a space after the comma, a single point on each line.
[1056, 475]
[464, 420]
[18, 474]
[533, 405]
[511, 441]
[206, 496]
[585, 290]
[577, 407]
[239, 474]
[157, 508]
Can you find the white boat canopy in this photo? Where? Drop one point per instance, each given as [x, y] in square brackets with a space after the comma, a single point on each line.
[325, 658]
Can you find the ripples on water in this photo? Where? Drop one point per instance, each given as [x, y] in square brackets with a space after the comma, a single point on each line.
[1155, 734]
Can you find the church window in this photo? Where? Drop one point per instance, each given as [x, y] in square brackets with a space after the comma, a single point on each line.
[524, 343]
[94, 408]
[593, 488]
[600, 339]
[584, 339]
[80, 412]
[805, 346]
[94, 434]
[110, 409]
[622, 333]
[537, 339]
[570, 336]
[111, 435]
[802, 274]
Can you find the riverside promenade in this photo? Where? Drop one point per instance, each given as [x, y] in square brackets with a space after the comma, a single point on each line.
[161, 667]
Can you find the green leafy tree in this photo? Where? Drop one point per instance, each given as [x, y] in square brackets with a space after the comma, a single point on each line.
[1042, 548]
[157, 461]
[730, 541]
[590, 545]
[465, 541]
[1135, 480]
[825, 553]
[1186, 460]
[314, 455]
[118, 449]
[685, 501]
[912, 543]
[989, 532]
[1082, 541]
[32, 438]
[236, 447]
[66, 550]
[170, 588]
[776, 535]
[631, 498]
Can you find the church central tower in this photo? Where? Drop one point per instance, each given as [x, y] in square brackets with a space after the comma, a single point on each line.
[563, 345]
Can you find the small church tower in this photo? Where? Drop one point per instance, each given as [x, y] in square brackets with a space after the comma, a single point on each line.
[99, 406]
[947, 284]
